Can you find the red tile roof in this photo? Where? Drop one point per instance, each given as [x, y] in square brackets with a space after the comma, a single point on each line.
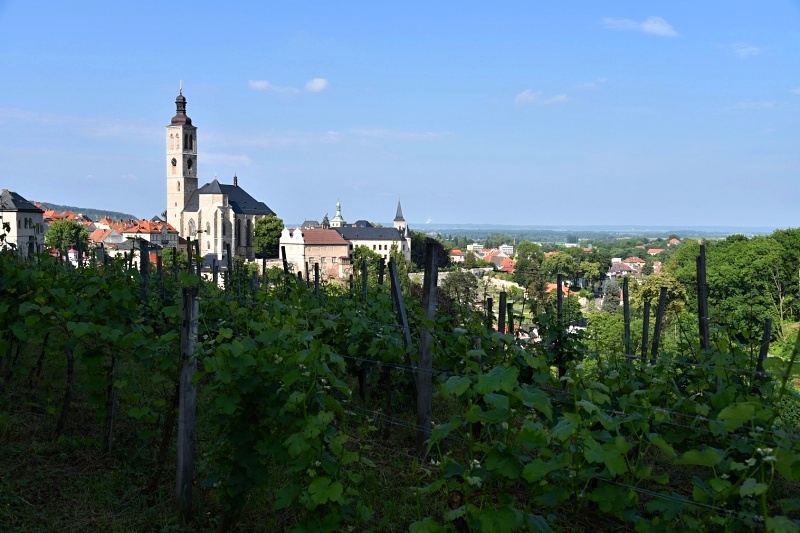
[634, 259]
[316, 236]
[144, 226]
[553, 286]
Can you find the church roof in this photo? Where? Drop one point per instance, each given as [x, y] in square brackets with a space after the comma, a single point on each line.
[239, 200]
[11, 201]
[180, 111]
[370, 234]
[399, 216]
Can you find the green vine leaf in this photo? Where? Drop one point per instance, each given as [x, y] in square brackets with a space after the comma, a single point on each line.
[707, 457]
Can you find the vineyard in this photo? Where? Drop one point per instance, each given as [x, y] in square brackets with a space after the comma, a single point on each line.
[374, 406]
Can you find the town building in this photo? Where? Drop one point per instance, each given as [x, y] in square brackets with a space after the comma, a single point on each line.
[306, 246]
[24, 222]
[380, 240]
[217, 214]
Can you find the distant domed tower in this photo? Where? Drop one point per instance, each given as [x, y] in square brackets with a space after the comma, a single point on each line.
[338, 221]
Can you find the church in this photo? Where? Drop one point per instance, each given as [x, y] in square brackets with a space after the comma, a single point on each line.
[217, 214]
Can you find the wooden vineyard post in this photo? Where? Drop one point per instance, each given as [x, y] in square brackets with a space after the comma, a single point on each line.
[79, 248]
[316, 279]
[425, 366]
[215, 271]
[762, 353]
[381, 271]
[189, 257]
[187, 405]
[501, 312]
[286, 262]
[489, 313]
[144, 257]
[228, 266]
[364, 274]
[662, 302]
[645, 328]
[626, 314]
[511, 317]
[402, 316]
[308, 273]
[560, 300]
[702, 300]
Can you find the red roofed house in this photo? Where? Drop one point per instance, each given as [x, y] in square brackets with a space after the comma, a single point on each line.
[655, 251]
[325, 247]
[105, 236]
[636, 263]
[153, 231]
[674, 241]
[565, 290]
[457, 256]
[508, 265]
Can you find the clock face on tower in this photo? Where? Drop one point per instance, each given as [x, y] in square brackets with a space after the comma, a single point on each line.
[174, 162]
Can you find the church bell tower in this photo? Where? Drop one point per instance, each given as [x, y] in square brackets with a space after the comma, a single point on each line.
[181, 163]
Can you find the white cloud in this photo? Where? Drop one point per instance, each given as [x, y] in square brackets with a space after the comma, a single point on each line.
[652, 25]
[531, 97]
[264, 85]
[259, 85]
[744, 50]
[592, 84]
[317, 85]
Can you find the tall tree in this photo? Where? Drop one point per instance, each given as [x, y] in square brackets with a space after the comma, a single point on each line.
[267, 235]
[64, 234]
[611, 296]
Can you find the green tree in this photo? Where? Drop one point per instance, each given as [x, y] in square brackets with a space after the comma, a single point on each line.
[267, 235]
[64, 234]
[650, 291]
[611, 296]
[418, 240]
[529, 250]
[170, 256]
[559, 263]
[460, 287]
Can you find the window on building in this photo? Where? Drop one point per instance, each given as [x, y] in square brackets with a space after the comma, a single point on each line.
[192, 228]
[249, 233]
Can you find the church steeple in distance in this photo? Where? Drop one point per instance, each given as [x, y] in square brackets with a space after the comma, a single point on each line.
[181, 161]
[399, 221]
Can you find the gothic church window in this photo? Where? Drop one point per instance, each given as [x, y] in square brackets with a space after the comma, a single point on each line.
[192, 228]
[249, 234]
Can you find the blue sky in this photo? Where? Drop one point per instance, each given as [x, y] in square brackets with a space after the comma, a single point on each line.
[544, 113]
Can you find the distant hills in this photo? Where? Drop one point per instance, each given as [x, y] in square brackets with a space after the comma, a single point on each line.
[541, 233]
[94, 214]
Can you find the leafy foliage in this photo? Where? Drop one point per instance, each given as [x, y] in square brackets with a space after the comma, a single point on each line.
[267, 235]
